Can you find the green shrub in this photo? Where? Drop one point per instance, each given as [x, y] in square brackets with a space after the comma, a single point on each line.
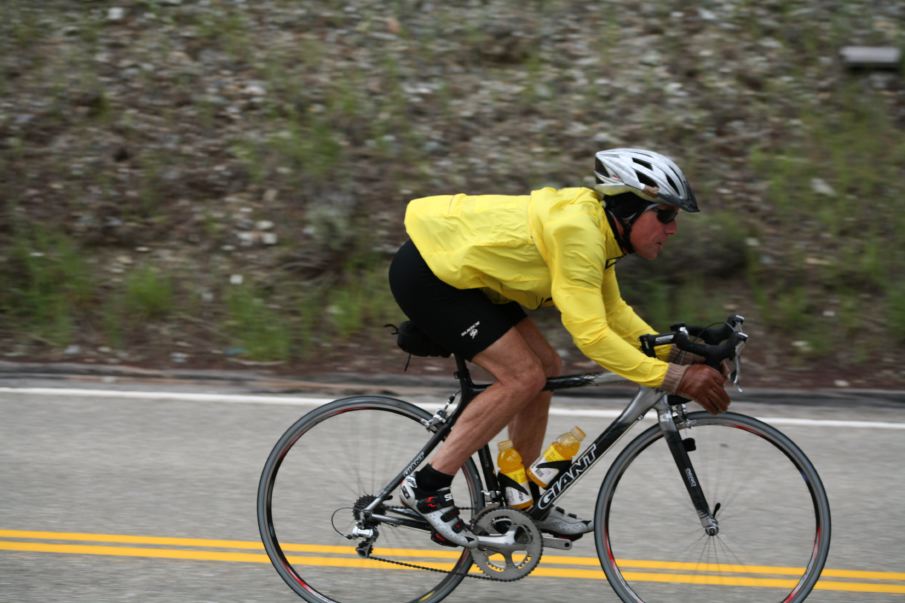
[148, 295]
[48, 283]
[256, 330]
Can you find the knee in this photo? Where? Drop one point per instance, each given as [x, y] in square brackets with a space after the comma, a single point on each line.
[525, 378]
[536, 380]
[550, 361]
[531, 378]
[552, 364]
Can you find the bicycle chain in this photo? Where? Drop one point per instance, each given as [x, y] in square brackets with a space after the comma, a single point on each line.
[439, 571]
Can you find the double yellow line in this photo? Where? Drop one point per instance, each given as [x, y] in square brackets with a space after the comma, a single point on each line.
[588, 568]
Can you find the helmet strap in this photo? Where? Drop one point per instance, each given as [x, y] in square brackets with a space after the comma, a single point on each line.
[623, 235]
[624, 209]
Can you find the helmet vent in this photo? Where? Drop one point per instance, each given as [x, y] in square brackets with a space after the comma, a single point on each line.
[641, 162]
[645, 179]
[671, 183]
[602, 168]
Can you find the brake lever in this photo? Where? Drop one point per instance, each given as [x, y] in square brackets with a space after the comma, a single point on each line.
[737, 360]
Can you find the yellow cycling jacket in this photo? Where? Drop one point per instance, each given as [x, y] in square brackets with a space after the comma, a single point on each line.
[551, 246]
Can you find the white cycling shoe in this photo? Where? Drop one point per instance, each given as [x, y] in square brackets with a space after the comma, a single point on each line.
[567, 525]
[438, 508]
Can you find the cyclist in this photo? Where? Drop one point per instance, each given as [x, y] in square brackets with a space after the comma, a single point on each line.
[472, 263]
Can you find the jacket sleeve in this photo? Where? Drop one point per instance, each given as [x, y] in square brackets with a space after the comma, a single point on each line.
[623, 318]
[575, 257]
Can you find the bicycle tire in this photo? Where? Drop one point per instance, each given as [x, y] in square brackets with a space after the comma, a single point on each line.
[774, 517]
[363, 441]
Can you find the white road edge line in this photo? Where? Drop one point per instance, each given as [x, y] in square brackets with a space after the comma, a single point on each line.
[309, 401]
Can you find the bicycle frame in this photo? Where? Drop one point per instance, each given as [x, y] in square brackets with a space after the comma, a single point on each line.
[643, 401]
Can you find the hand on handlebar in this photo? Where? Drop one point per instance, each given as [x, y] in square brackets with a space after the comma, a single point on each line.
[697, 373]
[704, 385]
[712, 335]
[679, 356]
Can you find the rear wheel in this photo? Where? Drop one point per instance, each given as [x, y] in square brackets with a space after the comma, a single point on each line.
[773, 514]
[320, 475]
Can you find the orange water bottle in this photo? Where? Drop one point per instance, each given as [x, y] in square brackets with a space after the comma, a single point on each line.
[513, 480]
[556, 457]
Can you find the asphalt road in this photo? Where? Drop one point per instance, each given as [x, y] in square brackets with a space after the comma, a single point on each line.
[145, 496]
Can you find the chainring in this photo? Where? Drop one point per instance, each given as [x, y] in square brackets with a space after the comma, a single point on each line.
[521, 552]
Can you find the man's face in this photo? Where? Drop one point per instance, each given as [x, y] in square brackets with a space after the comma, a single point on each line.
[649, 234]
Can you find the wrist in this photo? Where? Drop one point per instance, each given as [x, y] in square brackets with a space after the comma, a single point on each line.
[673, 378]
[678, 356]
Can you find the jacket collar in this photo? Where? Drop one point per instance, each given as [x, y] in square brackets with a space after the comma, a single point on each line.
[611, 244]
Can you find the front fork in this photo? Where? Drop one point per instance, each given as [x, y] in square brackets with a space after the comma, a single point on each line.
[668, 418]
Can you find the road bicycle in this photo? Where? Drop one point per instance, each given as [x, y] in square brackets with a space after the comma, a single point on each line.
[695, 508]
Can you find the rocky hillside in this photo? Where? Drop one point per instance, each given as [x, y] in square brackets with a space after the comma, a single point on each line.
[211, 182]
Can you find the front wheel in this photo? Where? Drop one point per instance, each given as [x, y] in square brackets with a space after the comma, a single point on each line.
[772, 510]
[320, 475]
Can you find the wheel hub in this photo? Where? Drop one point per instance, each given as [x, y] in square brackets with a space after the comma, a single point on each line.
[361, 504]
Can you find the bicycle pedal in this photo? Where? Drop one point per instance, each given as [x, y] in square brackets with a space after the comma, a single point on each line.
[441, 540]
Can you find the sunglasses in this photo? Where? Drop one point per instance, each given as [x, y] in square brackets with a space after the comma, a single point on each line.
[665, 215]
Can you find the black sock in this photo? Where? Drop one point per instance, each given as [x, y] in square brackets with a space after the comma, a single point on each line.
[430, 479]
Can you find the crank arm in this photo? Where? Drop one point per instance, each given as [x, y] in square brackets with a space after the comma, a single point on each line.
[563, 544]
[504, 543]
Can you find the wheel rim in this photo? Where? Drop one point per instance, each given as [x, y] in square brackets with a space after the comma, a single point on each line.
[774, 518]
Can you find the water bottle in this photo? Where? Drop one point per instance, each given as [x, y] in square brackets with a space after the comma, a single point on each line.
[512, 476]
[556, 458]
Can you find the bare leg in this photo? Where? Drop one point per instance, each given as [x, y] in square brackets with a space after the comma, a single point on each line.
[519, 376]
[527, 428]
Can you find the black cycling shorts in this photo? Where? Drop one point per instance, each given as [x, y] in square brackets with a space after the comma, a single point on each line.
[464, 321]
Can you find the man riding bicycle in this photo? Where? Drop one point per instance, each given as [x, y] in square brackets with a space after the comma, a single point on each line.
[474, 262]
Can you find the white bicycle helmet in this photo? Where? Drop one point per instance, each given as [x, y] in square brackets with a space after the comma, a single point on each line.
[649, 175]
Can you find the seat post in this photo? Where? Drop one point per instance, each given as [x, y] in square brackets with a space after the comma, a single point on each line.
[464, 376]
